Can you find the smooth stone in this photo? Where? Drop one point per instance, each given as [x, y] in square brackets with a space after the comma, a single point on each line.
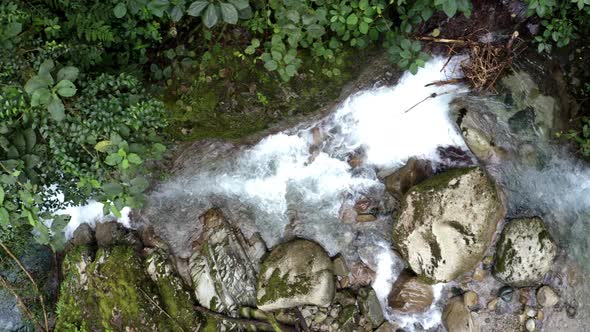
[547, 297]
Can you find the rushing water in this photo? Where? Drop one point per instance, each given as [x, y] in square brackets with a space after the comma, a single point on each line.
[300, 182]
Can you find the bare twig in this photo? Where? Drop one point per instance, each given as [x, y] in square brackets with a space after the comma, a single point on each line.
[22, 267]
[263, 326]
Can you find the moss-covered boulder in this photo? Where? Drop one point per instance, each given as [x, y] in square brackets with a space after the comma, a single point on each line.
[113, 292]
[525, 252]
[447, 223]
[295, 273]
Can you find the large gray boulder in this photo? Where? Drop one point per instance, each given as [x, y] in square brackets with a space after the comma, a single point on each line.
[525, 252]
[447, 223]
[224, 264]
[295, 273]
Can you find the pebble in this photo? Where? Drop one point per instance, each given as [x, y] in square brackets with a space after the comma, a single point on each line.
[531, 312]
[479, 274]
[492, 304]
[505, 293]
[540, 315]
[530, 325]
[546, 297]
[471, 299]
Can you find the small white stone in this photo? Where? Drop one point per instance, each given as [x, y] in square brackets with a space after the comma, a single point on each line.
[530, 325]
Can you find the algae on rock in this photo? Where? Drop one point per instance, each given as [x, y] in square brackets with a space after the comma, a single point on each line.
[447, 223]
[113, 292]
[295, 273]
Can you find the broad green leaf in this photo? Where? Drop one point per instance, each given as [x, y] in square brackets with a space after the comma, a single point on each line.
[65, 88]
[113, 159]
[138, 185]
[1, 195]
[125, 164]
[134, 159]
[197, 7]
[112, 188]
[69, 73]
[40, 96]
[102, 146]
[315, 30]
[36, 82]
[157, 7]
[352, 19]
[271, 65]
[210, 16]
[20, 142]
[115, 211]
[176, 13]
[13, 29]
[293, 15]
[240, 4]
[56, 108]
[120, 10]
[46, 67]
[450, 8]
[4, 217]
[291, 70]
[31, 160]
[30, 138]
[364, 27]
[229, 13]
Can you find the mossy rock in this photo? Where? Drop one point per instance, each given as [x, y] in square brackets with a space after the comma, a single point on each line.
[295, 273]
[447, 223]
[113, 292]
[233, 97]
[525, 252]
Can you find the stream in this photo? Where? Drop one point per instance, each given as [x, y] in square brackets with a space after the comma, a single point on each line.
[304, 182]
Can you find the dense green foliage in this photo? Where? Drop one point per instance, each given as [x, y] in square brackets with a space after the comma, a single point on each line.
[561, 20]
[78, 122]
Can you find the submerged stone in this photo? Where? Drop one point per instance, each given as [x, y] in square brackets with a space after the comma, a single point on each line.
[295, 273]
[525, 252]
[410, 294]
[412, 173]
[447, 223]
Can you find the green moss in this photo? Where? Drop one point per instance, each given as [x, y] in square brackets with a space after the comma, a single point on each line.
[232, 97]
[279, 286]
[114, 293]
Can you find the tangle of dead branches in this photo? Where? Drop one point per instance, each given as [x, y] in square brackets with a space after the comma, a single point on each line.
[485, 62]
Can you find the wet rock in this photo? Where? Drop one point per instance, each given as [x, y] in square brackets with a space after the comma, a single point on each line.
[365, 217]
[361, 275]
[38, 261]
[547, 297]
[83, 235]
[412, 173]
[453, 157]
[224, 264]
[388, 327]
[506, 293]
[447, 223]
[457, 318]
[410, 295]
[370, 307]
[295, 273]
[525, 252]
[340, 267]
[112, 233]
[149, 238]
[479, 274]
